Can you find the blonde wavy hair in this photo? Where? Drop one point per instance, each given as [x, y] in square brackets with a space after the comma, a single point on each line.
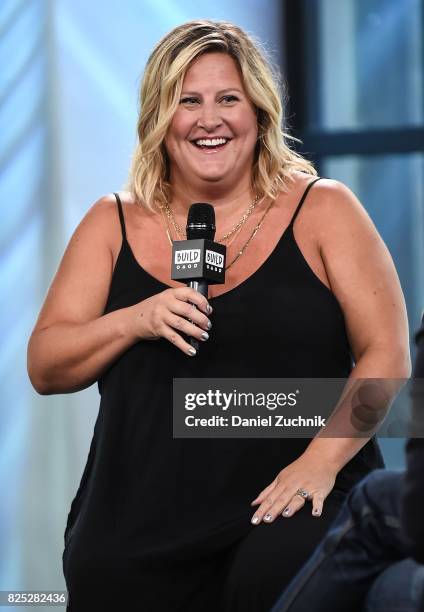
[160, 93]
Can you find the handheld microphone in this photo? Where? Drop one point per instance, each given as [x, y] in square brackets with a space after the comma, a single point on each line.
[199, 261]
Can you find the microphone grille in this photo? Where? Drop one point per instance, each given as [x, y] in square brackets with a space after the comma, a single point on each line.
[201, 213]
[201, 221]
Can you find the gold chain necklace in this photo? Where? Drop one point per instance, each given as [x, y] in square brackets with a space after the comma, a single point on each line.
[252, 235]
[182, 235]
[245, 245]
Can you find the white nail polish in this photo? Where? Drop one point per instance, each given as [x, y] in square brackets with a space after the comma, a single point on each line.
[192, 351]
[255, 520]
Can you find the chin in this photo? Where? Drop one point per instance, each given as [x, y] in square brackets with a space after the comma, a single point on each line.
[211, 176]
[215, 181]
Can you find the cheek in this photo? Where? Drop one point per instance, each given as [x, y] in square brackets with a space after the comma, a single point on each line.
[249, 133]
[248, 127]
[179, 126]
[172, 140]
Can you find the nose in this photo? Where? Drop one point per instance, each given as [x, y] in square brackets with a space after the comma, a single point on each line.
[209, 117]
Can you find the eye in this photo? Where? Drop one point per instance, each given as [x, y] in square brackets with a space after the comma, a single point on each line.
[229, 99]
[189, 100]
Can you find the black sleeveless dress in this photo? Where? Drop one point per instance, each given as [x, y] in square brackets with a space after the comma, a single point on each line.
[161, 524]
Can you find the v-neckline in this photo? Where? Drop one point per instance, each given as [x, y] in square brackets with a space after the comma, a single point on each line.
[126, 244]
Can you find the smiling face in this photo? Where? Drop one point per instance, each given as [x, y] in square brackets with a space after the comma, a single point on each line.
[213, 133]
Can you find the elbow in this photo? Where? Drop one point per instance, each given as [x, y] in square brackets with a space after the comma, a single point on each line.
[41, 385]
[41, 390]
[387, 361]
[397, 356]
[35, 372]
[398, 360]
[48, 383]
[401, 369]
[404, 364]
[38, 382]
[402, 355]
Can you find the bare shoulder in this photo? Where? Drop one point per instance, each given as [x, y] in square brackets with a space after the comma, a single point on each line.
[102, 219]
[335, 203]
[80, 286]
[333, 214]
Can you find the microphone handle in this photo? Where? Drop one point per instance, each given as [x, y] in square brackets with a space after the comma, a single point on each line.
[202, 287]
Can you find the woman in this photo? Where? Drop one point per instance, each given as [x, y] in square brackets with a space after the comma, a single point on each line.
[175, 524]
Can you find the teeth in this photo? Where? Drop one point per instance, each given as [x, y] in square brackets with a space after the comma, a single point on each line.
[211, 142]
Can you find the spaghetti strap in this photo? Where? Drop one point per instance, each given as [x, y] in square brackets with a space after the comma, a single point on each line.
[121, 216]
[303, 198]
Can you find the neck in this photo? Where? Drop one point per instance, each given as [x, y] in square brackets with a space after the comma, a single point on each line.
[187, 189]
[228, 210]
[228, 204]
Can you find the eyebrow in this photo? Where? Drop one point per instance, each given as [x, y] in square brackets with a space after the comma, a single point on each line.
[221, 91]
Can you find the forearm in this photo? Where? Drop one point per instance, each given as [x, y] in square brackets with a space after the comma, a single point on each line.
[346, 433]
[67, 357]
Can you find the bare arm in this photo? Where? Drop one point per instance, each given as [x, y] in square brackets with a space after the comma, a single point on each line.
[73, 343]
[364, 280]
[68, 357]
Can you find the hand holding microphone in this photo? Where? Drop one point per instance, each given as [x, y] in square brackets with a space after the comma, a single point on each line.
[169, 314]
[185, 310]
[198, 261]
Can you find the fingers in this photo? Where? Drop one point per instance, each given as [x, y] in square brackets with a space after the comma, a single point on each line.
[174, 310]
[272, 506]
[286, 504]
[263, 494]
[317, 504]
[170, 334]
[185, 313]
[186, 310]
[295, 504]
[182, 325]
[187, 294]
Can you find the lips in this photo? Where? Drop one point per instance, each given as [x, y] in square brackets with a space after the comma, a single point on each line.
[210, 144]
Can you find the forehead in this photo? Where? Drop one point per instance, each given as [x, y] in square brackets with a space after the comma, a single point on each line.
[213, 69]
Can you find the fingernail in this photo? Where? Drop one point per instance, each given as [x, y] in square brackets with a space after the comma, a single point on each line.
[267, 517]
[192, 351]
[255, 520]
[286, 511]
[316, 512]
[205, 335]
[209, 325]
[209, 308]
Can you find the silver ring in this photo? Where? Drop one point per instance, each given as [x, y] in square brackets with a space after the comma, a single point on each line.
[302, 493]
